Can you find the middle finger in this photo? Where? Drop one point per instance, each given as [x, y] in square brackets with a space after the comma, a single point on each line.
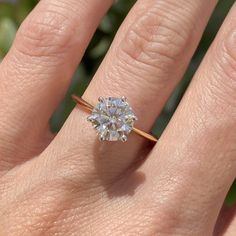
[37, 70]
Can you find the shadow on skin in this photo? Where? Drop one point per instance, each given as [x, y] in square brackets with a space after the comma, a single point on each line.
[226, 215]
[116, 164]
[127, 185]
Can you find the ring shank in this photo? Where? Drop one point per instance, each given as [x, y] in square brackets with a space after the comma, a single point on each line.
[89, 108]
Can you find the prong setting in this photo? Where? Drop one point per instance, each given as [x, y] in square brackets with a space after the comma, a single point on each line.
[124, 138]
[124, 99]
[113, 119]
[101, 138]
[100, 99]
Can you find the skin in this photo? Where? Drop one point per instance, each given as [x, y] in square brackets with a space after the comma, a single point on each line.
[71, 184]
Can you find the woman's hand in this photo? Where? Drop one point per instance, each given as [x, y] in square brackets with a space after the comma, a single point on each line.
[71, 184]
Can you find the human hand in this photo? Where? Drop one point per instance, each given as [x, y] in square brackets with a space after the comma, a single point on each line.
[72, 184]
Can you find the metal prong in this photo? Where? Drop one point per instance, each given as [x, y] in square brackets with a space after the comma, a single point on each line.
[123, 138]
[135, 118]
[132, 118]
[100, 99]
[124, 99]
[90, 119]
[95, 125]
[101, 138]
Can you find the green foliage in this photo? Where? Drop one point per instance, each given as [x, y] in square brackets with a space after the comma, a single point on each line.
[7, 34]
[11, 16]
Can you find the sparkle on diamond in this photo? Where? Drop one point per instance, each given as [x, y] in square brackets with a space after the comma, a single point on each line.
[113, 119]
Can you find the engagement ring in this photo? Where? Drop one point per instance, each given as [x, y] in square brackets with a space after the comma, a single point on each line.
[113, 118]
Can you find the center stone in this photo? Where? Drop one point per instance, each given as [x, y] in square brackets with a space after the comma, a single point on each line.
[113, 118]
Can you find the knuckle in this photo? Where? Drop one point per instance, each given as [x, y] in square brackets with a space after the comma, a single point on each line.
[166, 221]
[169, 212]
[154, 41]
[150, 47]
[47, 33]
[228, 57]
[223, 86]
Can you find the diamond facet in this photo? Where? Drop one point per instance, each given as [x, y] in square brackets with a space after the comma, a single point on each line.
[113, 118]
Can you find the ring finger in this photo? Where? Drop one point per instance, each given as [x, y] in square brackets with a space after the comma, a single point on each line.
[147, 59]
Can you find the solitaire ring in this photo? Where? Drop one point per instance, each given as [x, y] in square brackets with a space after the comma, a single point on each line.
[113, 118]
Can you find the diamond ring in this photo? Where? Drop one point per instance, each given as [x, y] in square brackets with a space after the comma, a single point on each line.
[113, 118]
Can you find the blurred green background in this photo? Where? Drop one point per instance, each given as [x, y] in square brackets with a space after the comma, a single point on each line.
[13, 12]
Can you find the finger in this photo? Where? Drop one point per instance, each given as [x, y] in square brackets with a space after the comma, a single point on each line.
[155, 42]
[195, 157]
[37, 71]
